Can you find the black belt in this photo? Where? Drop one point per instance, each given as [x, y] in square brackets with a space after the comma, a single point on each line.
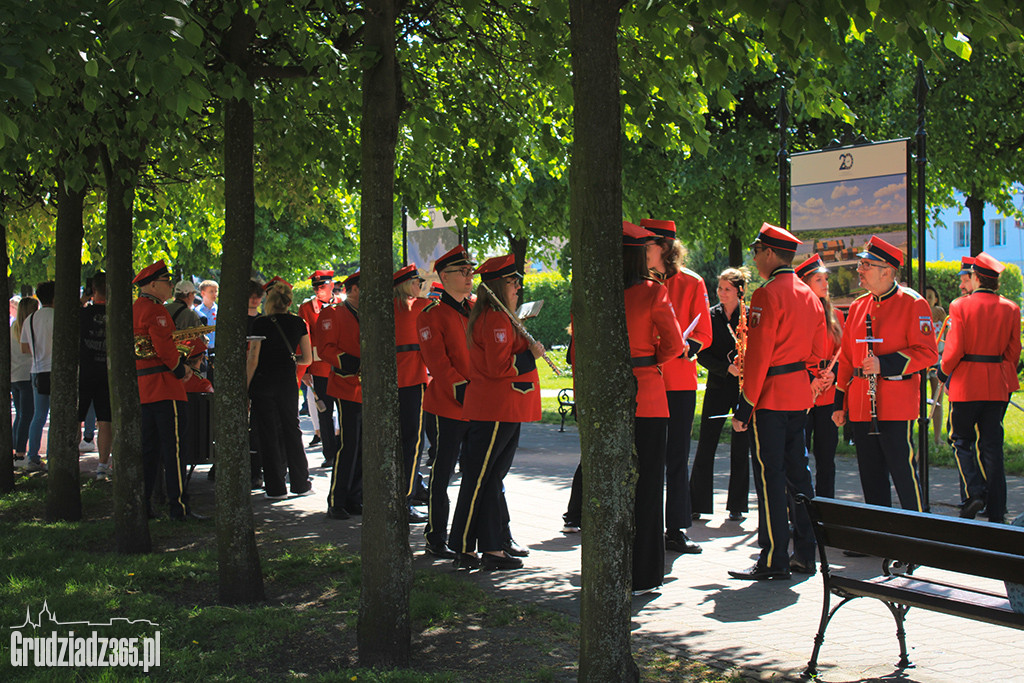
[142, 372]
[786, 369]
[823, 364]
[643, 361]
[407, 347]
[979, 358]
[859, 372]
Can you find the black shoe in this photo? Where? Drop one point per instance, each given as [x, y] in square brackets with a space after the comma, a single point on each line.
[695, 516]
[972, 507]
[441, 550]
[327, 464]
[467, 561]
[315, 441]
[798, 565]
[854, 553]
[735, 516]
[256, 483]
[212, 474]
[678, 542]
[515, 550]
[337, 513]
[190, 517]
[422, 495]
[416, 516]
[501, 562]
[354, 509]
[759, 573]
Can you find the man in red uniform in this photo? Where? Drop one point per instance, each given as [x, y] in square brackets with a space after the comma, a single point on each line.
[786, 333]
[161, 390]
[319, 370]
[442, 333]
[901, 343]
[412, 376]
[689, 297]
[966, 267]
[338, 338]
[980, 361]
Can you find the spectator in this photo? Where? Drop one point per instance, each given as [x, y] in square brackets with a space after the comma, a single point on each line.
[181, 307]
[208, 310]
[93, 390]
[37, 339]
[21, 382]
[274, 392]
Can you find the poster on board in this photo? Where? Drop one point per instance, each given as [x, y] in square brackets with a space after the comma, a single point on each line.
[840, 197]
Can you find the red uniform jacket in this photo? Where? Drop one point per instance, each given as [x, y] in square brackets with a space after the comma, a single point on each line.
[338, 332]
[150, 318]
[689, 298]
[786, 326]
[828, 397]
[982, 324]
[902, 319]
[654, 338]
[411, 370]
[442, 332]
[310, 312]
[504, 386]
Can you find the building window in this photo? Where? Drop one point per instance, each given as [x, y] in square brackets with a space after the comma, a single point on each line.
[962, 233]
[997, 229]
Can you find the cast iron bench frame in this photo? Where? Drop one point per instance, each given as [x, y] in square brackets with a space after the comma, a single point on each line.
[566, 406]
[909, 540]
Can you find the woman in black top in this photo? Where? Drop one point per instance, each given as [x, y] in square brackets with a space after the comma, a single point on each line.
[274, 392]
[720, 397]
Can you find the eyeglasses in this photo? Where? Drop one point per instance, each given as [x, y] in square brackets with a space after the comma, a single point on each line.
[865, 264]
[464, 272]
[513, 280]
[757, 249]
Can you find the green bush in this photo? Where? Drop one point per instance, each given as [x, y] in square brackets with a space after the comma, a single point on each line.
[944, 276]
[549, 328]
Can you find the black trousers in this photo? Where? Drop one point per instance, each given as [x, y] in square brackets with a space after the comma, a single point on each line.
[274, 412]
[825, 436]
[163, 438]
[410, 422]
[781, 470]
[650, 437]
[978, 440]
[719, 399]
[451, 441]
[884, 455]
[328, 441]
[574, 511]
[430, 432]
[481, 516]
[347, 476]
[678, 513]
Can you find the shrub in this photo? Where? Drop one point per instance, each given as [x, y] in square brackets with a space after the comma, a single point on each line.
[944, 276]
[549, 328]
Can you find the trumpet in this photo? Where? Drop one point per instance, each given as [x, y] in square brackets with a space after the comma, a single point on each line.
[182, 339]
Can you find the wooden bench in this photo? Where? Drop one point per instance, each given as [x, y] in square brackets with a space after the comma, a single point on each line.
[909, 540]
[566, 406]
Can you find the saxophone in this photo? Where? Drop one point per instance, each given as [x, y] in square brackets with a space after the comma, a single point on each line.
[182, 339]
[741, 341]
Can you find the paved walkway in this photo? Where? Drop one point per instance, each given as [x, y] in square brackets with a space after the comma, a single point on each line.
[765, 629]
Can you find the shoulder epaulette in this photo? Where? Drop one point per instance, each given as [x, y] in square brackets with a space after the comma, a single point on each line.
[691, 273]
[863, 295]
[432, 304]
[913, 293]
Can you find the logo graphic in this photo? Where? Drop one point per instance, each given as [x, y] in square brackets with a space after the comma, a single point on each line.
[425, 333]
[926, 324]
[846, 161]
[63, 648]
[325, 324]
[500, 336]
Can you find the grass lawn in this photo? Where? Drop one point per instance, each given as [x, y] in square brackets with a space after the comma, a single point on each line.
[941, 455]
[305, 630]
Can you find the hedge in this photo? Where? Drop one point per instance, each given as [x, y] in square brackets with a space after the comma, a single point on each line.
[550, 327]
[944, 276]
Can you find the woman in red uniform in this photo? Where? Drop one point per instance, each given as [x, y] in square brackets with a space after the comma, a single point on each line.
[412, 374]
[826, 433]
[503, 392]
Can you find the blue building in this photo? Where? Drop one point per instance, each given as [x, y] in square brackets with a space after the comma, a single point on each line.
[950, 238]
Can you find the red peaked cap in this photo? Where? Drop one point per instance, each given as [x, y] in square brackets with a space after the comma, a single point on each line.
[196, 347]
[436, 287]
[811, 265]
[454, 257]
[406, 273]
[966, 265]
[276, 278]
[352, 280]
[777, 238]
[878, 249]
[988, 266]
[150, 273]
[635, 236]
[319, 277]
[496, 267]
[660, 228]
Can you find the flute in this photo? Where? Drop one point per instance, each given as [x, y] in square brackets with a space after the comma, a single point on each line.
[872, 379]
[519, 326]
[831, 365]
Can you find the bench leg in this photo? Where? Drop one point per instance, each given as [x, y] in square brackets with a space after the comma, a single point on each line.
[826, 616]
[561, 428]
[899, 613]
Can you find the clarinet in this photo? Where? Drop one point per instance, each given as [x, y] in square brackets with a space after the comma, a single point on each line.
[872, 380]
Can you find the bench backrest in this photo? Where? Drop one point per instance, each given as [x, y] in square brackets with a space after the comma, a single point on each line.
[995, 551]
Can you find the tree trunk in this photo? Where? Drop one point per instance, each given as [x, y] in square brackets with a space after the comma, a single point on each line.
[131, 516]
[63, 492]
[517, 247]
[238, 560]
[605, 389]
[976, 206]
[6, 436]
[735, 247]
[384, 635]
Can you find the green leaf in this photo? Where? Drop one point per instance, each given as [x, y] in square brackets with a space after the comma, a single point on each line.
[958, 45]
[193, 33]
[92, 68]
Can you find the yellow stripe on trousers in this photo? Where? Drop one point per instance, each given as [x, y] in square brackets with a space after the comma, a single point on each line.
[419, 441]
[337, 453]
[177, 458]
[479, 481]
[767, 521]
[913, 470]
